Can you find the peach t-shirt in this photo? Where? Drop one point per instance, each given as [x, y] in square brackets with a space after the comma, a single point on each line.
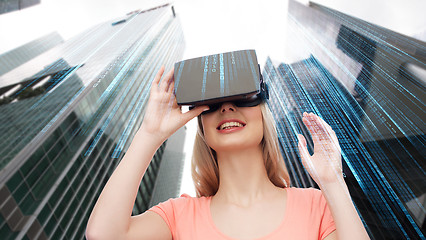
[306, 217]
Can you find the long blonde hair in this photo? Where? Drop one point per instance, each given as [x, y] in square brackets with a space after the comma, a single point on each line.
[205, 170]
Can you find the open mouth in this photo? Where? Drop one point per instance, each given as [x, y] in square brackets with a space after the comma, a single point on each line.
[230, 124]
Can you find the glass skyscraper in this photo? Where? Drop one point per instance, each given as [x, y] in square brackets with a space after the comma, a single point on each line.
[15, 5]
[67, 117]
[18, 56]
[368, 83]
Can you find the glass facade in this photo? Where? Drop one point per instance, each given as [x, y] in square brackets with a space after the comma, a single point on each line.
[368, 83]
[67, 118]
[14, 5]
[18, 56]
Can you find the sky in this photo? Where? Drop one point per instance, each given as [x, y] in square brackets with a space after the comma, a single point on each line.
[209, 26]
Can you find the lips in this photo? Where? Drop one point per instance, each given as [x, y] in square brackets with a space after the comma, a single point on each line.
[229, 124]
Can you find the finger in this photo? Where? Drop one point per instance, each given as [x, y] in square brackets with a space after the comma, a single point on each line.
[165, 96]
[329, 133]
[322, 124]
[319, 129]
[194, 112]
[164, 85]
[171, 85]
[157, 78]
[174, 103]
[303, 147]
[325, 139]
[306, 157]
[303, 152]
[311, 125]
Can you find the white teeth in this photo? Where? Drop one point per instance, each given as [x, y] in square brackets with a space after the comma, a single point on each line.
[228, 125]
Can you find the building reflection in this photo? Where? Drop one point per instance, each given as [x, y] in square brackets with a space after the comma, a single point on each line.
[67, 117]
[368, 83]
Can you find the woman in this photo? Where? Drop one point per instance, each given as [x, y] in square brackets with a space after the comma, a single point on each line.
[240, 178]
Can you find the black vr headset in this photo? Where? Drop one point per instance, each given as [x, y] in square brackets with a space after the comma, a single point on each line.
[226, 77]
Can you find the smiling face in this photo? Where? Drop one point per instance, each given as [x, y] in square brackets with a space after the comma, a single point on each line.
[233, 128]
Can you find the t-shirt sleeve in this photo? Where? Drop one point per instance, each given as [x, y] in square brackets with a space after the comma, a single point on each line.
[169, 210]
[327, 225]
[165, 210]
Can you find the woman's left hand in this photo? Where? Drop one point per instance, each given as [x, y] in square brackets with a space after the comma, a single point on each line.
[325, 165]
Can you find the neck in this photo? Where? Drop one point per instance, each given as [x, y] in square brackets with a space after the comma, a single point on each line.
[243, 177]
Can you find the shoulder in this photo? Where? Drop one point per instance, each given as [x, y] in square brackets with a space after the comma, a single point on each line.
[307, 196]
[305, 192]
[180, 204]
[181, 214]
[186, 199]
[309, 202]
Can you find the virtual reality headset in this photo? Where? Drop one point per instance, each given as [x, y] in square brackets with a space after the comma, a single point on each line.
[225, 77]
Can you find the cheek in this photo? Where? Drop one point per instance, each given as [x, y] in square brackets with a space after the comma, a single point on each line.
[255, 114]
[207, 128]
[258, 132]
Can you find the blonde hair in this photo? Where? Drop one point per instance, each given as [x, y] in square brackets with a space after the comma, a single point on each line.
[205, 171]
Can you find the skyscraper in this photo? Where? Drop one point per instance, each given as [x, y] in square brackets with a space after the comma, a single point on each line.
[14, 5]
[12, 59]
[368, 83]
[67, 118]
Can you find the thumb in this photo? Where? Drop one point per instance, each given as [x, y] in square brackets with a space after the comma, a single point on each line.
[194, 112]
[303, 150]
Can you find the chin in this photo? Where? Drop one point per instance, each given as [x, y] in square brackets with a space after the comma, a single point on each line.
[238, 140]
[235, 144]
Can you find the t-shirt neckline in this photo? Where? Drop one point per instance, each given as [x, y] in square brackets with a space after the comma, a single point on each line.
[267, 236]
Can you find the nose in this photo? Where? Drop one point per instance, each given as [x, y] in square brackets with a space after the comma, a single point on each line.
[227, 106]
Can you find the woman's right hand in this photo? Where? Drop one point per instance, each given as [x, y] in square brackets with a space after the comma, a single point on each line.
[163, 116]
